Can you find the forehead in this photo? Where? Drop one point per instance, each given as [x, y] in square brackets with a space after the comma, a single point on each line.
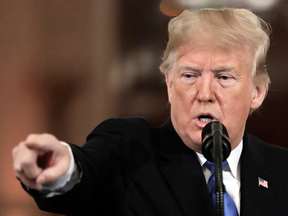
[215, 56]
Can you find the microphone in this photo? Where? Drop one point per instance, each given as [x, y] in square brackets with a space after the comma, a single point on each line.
[212, 133]
[216, 148]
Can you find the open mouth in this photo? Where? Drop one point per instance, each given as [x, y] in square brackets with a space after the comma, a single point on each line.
[205, 118]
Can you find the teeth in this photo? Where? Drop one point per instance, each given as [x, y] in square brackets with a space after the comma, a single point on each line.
[205, 119]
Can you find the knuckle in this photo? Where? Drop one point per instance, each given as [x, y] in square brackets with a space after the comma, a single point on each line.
[17, 169]
[40, 138]
[48, 137]
[15, 151]
[31, 137]
[28, 173]
[21, 145]
[26, 164]
[31, 140]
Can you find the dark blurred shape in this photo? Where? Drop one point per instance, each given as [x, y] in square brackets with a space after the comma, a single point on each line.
[171, 7]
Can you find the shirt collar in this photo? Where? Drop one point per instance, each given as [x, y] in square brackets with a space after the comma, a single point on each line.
[233, 159]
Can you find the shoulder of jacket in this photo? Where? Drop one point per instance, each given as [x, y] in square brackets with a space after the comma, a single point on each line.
[127, 122]
[267, 147]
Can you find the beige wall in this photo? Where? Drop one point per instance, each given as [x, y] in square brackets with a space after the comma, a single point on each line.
[50, 52]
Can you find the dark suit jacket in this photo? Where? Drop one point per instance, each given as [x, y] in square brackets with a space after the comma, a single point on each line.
[130, 169]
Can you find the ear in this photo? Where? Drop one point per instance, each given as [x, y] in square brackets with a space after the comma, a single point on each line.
[259, 94]
[169, 84]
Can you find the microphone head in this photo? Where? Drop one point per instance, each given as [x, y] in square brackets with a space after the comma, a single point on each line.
[207, 130]
[207, 140]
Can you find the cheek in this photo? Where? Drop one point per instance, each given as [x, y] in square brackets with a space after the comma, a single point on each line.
[236, 107]
[183, 94]
[180, 103]
[239, 97]
[237, 111]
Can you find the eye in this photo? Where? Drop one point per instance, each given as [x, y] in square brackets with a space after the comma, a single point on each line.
[223, 77]
[226, 79]
[188, 75]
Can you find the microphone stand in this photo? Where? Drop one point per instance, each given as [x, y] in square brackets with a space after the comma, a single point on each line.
[218, 158]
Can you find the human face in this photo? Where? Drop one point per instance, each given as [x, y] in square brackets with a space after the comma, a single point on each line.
[212, 84]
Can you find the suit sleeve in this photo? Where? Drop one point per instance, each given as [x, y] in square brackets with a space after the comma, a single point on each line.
[112, 150]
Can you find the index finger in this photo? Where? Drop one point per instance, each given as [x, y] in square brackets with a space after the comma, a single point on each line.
[41, 142]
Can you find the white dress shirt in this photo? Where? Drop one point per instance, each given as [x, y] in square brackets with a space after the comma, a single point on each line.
[231, 175]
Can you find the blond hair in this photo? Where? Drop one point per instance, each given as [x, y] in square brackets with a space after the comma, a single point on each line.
[228, 27]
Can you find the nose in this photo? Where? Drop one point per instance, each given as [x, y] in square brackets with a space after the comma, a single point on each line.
[206, 88]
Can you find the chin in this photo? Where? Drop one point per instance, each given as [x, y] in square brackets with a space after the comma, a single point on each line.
[194, 143]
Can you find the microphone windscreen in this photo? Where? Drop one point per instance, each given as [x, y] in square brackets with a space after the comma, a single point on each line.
[207, 140]
[207, 130]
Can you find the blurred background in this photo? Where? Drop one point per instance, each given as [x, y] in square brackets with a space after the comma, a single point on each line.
[67, 65]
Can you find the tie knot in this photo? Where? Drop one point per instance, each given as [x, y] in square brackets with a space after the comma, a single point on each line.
[209, 165]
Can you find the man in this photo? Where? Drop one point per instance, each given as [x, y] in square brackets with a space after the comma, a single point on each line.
[214, 66]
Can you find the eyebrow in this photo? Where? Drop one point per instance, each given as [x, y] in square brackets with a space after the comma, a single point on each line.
[223, 68]
[190, 68]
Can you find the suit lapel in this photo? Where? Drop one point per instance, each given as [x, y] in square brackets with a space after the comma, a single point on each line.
[255, 199]
[183, 172]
